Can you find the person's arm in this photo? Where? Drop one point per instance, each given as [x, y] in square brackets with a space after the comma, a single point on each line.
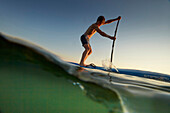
[103, 33]
[112, 20]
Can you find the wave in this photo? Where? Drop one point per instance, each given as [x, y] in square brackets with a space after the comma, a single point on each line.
[126, 85]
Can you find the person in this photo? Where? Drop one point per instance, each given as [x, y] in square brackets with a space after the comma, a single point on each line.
[90, 32]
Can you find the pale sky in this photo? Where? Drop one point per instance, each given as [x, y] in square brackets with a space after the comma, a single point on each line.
[143, 38]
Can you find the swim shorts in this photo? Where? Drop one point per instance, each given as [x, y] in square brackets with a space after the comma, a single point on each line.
[84, 40]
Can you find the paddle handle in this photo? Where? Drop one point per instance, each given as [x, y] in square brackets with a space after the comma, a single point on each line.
[114, 42]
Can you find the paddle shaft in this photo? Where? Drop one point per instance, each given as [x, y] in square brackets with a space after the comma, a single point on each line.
[114, 42]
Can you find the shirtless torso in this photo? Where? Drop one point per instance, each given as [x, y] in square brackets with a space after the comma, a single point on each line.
[91, 30]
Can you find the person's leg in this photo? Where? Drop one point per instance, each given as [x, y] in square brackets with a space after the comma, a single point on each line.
[89, 53]
[85, 54]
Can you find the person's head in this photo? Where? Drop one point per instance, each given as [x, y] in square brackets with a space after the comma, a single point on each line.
[101, 20]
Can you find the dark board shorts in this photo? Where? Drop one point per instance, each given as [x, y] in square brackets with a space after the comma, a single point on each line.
[84, 40]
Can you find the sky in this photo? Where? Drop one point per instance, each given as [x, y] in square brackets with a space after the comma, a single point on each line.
[143, 37]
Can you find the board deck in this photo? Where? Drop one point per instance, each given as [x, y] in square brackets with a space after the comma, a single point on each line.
[96, 67]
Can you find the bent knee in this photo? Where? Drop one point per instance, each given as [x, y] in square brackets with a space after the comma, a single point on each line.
[87, 49]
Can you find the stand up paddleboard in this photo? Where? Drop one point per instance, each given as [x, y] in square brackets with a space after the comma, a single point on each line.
[92, 66]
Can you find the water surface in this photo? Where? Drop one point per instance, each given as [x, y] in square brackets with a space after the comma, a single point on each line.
[33, 80]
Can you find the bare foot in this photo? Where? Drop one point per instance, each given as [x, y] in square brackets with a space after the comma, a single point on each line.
[82, 65]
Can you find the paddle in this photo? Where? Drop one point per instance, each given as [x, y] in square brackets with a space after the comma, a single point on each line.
[113, 46]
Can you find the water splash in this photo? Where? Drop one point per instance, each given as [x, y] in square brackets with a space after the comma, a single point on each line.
[108, 65]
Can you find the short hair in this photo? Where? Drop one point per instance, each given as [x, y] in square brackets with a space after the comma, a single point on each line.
[100, 18]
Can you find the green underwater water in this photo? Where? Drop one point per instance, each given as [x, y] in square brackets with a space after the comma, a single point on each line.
[29, 83]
